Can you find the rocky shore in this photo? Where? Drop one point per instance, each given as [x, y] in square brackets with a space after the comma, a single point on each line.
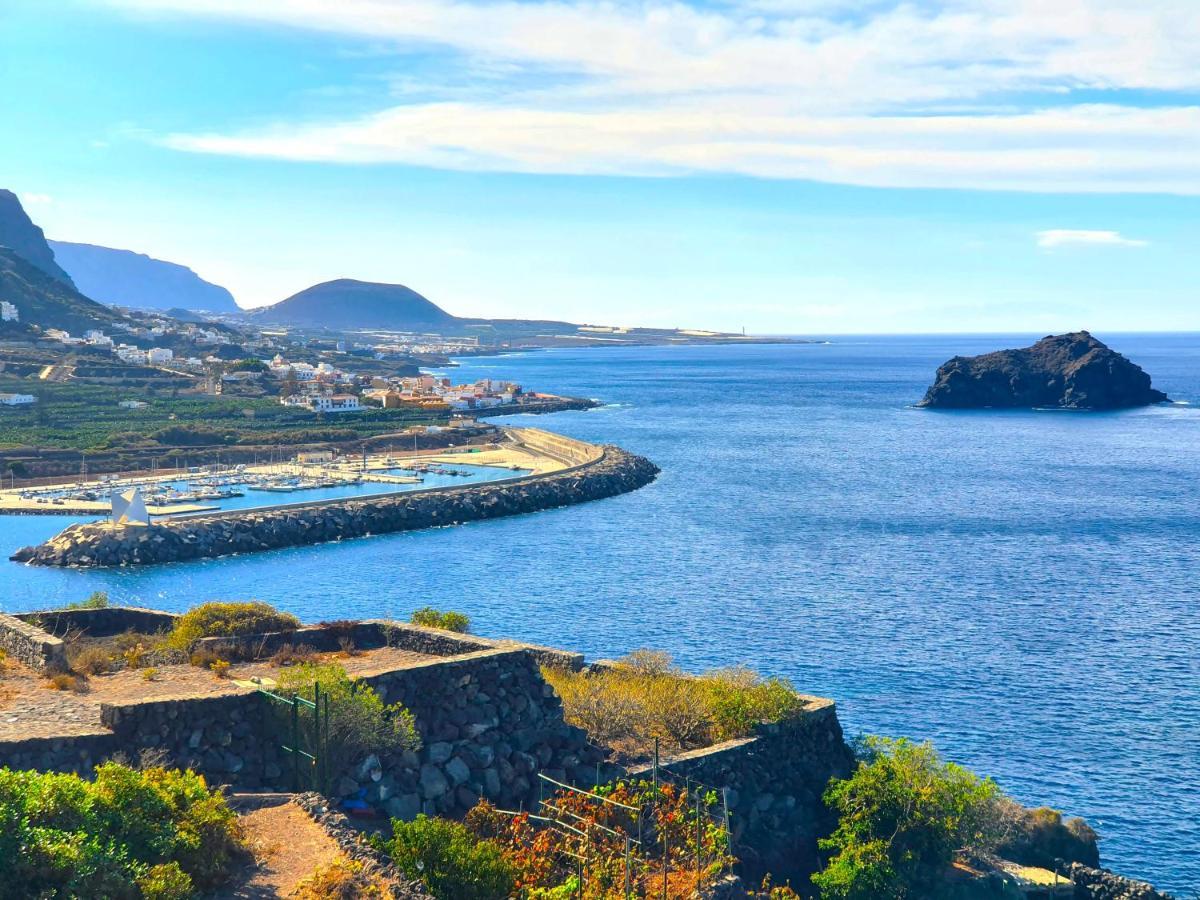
[201, 537]
[1066, 371]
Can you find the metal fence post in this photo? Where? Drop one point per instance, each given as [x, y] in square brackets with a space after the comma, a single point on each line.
[656, 768]
[628, 886]
[295, 745]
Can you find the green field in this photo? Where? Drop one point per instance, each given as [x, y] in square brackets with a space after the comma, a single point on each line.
[86, 417]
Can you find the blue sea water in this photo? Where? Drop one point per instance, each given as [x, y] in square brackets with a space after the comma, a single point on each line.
[1019, 587]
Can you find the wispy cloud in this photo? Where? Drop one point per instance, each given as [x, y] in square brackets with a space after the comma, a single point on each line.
[33, 199]
[953, 93]
[1064, 237]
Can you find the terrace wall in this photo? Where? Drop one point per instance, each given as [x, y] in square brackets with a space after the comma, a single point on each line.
[773, 784]
[31, 645]
[488, 722]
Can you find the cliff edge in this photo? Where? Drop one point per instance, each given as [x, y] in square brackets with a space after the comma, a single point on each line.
[1067, 371]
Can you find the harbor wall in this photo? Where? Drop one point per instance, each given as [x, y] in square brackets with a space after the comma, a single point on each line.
[612, 472]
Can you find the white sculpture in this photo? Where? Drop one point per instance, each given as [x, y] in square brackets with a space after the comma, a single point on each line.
[129, 508]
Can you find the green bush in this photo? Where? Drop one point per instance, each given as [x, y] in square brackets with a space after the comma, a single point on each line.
[449, 860]
[95, 600]
[901, 816]
[228, 620]
[165, 882]
[155, 833]
[359, 721]
[447, 621]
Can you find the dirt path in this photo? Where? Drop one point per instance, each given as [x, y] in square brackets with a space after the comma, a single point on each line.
[287, 846]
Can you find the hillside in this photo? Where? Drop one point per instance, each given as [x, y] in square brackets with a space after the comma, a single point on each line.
[17, 232]
[125, 278]
[349, 304]
[45, 301]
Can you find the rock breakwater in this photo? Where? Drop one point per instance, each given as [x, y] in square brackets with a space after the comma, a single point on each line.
[202, 537]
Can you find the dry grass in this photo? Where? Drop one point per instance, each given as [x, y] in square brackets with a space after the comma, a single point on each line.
[64, 681]
[342, 879]
[644, 696]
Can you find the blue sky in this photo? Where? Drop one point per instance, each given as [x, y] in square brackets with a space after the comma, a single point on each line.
[790, 166]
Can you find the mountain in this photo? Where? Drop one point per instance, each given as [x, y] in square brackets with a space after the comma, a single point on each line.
[346, 304]
[45, 301]
[18, 233]
[1067, 371]
[125, 278]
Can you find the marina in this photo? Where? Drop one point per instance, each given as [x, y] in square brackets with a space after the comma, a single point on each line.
[219, 488]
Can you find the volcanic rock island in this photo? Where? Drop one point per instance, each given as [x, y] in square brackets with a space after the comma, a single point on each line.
[1064, 371]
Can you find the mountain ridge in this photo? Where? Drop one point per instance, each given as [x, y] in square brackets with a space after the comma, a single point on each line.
[27, 240]
[128, 278]
[45, 301]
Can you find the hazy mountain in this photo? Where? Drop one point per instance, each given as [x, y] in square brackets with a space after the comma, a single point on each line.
[47, 302]
[125, 278]
[346, 304]
[18, 233]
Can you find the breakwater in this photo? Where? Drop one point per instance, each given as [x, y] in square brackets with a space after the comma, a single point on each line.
[612, 471]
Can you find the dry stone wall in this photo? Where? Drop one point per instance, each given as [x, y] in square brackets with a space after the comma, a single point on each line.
[773, 784]
[31, 645]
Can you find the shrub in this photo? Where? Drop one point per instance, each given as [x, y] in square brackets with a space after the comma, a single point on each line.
[447, 621]
[150, 673]
[342, 879]
[220, 668]
[288, 655]
[228, 620]
[359, 721]
[165, 881]
[88, 659]
[902, 815]
[448, 859]
[127, 834]
[63, 681]
[644, 697]
[96, 600]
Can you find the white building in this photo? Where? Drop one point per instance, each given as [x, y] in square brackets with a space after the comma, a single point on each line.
[132, 404]
[17, 399]
[9, 312]
[156, 356]
[334, 403]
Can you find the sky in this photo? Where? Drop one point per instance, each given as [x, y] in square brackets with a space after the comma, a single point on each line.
[783, 166]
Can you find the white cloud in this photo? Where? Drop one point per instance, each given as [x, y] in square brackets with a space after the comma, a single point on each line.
[31, 199]
[835, 90]
[1063, 237]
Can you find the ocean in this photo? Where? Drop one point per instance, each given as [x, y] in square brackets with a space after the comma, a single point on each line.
[1018, 587]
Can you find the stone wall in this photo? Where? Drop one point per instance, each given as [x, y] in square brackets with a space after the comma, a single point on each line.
[369, 634]
[31, 645]
[774, 782]
[488, 722]
[101, 622]
[77, 753]
[206, 536]
[556, 446]
[1101, 884]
